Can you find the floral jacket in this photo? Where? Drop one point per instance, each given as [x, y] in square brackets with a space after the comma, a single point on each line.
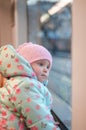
[25, 103]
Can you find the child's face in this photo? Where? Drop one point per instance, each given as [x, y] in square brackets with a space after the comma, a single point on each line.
[41, 69]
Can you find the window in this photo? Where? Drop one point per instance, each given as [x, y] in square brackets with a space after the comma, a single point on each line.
[54, 32]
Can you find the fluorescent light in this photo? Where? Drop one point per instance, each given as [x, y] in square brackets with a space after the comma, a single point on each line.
[58, 6]
[44, 17]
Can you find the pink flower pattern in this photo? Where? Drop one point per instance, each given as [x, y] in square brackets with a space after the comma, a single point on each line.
[34, 128]
[15, 93]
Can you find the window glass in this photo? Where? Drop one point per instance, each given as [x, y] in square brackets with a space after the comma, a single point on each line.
[53, 30]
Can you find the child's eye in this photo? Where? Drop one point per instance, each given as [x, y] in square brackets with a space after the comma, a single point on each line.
[48, 67]
[40, 64]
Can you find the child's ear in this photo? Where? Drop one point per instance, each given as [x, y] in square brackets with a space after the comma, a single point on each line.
[2, 81]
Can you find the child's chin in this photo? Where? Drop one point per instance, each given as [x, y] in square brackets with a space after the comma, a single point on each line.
[42, 80]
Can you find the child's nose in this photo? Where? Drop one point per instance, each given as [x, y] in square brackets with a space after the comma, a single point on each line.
[45, 70]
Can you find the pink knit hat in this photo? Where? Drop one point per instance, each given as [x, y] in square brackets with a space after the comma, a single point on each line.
[33, 52]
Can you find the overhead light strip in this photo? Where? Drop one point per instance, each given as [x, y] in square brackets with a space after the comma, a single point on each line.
[56, 8]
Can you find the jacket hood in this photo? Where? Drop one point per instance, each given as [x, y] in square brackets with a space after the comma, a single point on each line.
[12, 64]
